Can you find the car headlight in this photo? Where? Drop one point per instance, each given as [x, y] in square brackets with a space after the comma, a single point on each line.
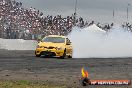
[59, 48]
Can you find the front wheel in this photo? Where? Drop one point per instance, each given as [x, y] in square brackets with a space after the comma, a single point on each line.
[64, 54]
[37, 55]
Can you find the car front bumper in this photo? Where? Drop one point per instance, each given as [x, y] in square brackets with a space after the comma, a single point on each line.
[49, 52]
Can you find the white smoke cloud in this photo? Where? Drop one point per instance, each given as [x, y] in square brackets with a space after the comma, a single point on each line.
[92, 42]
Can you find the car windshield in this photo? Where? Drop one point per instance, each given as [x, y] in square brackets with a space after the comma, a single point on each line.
[54, 39]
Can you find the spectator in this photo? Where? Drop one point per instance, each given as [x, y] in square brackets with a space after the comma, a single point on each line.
[18, 22]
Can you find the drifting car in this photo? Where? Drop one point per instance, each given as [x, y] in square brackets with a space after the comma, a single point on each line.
[54, 46]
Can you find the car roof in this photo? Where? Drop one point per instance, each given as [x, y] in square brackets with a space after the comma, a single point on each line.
[56, 36]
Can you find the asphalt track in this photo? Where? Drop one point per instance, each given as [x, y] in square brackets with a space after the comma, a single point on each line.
[23, 65]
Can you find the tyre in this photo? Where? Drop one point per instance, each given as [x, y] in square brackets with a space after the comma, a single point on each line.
[64, 54]
[69, 56]
[37, 55]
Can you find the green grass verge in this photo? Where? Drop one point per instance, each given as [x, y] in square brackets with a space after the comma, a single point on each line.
[28, 84]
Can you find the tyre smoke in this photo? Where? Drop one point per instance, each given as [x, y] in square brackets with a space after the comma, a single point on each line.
[93, 42]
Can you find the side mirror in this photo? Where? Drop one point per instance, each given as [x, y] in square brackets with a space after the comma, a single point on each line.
[68, 43]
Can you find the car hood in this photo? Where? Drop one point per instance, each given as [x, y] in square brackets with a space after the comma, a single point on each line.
[49, 44]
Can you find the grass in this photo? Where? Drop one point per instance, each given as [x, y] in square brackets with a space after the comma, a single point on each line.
[28, 84]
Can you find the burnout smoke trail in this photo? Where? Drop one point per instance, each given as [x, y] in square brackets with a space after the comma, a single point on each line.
[93, 42]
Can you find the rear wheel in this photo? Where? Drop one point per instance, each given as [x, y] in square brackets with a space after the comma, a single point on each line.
[69, 56]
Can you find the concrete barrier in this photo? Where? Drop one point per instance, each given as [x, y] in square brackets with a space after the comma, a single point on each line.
[17, 44]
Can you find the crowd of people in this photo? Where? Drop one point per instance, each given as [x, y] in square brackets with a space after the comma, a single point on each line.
[17, 22]
[127, 26]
